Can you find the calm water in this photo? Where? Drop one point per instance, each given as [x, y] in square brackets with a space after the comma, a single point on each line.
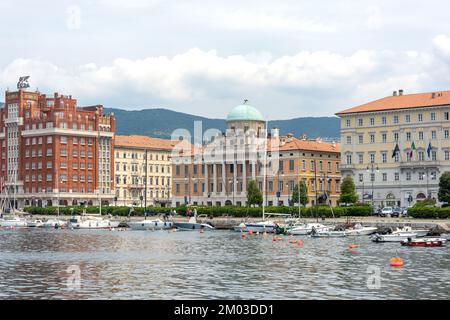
[215, 265]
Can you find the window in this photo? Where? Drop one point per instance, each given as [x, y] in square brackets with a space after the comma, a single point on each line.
[372, 177]
[396, 176]
[49, 139]
[349, 159]
[372, 121]
[421, 155]
[433, 175]
[63, 140]
[349, 140]
[446, 134]
[361, 177]
[395, 119]
[360, 122]
[303, 165]
[384, 176]
[433, 155]
[420, 135]
[433, 134]
[360, 158]
[408, 136]
[408, 176]
[348, 123]
[420, 117]
[407, 118]
[383, 120]
[396, 136]
[372, 138]
[447, 155]
[372, 158]
[291, 165]
[384, 157]
[446, 116]
[421, 176]
[433, 116]
[384, 137]
[360, 139]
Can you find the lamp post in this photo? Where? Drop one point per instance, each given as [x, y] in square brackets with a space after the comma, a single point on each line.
[372, 169]
[287, 188]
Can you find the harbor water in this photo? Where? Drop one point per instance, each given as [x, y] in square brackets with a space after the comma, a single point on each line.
[88, 264]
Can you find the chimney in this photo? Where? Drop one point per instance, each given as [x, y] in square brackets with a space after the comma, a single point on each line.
[276, 132]
[400, 92]
[394, 93]
[433, 95]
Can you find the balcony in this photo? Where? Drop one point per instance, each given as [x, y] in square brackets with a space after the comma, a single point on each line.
[135, 186]
[419, 164]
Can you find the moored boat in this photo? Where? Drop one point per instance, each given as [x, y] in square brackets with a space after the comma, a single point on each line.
[306, 229]
[91, 222]
[54, 223]
[360, 230]
[155, 224]
[192, 224]
[240, 228]
[398, 237]
[327, 233]
[424, 242]
[14, 222]
[408, 229]
[263, 226]
[35, 224]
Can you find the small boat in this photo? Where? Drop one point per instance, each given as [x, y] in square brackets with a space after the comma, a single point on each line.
[91, 222]
[445, 236]
[35, 224]
[240, 228]
[54, 223]
[408, 229]
[192, 224]
[398, 237]
[360, 230]
[14, 222]
[424, 242]
[156, 224]
[327, 233]
[263, 226]
[305, 229]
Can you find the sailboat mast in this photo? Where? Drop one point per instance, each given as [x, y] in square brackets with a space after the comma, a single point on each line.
[265, 170]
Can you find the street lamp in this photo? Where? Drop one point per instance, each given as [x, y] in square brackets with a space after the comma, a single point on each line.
[372, 169]
[287, 188]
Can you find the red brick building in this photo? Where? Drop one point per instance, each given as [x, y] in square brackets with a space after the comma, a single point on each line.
[53, 151]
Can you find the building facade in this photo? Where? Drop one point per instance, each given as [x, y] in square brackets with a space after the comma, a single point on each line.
[143, 171]
[54, 152]
[397, 147]
[218, 172]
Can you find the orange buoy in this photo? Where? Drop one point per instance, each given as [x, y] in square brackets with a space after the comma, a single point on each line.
[250, 232]
[300, 243]
[396, 262]
[274, 238]
[353, 246]
[279, 239]
[244, 235]
[293, 241]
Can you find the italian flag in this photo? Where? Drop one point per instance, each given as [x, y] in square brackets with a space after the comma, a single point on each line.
[413, 147]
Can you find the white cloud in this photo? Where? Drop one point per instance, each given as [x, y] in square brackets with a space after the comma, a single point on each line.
[374, 20]
[442, 43]
[130, 3]
[205, 82]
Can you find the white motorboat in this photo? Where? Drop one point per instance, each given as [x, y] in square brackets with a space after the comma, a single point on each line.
[14, 222]
[327, 233]
[156, 224]
[263, 226]
[397, 237]
[91, 222]
[192, 224]
[305, 229]
[408, 230]
[54, 223]
[360, 230]
[240, 228]
[35, 224]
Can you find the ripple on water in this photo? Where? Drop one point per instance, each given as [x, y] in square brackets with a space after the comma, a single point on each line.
[216, 265]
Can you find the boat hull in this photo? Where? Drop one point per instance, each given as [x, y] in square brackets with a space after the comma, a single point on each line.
[151, 225]
[434, 242]
[393, 237]
[94, 225]
[260, 228]
[361, 232]
[13, 224]
[329, 234]
[189, 226]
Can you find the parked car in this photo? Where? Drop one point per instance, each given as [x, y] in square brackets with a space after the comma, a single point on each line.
[386, 211]
[404, 212]
[396, 212]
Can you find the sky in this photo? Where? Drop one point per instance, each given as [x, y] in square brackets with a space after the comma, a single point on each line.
[289, 58]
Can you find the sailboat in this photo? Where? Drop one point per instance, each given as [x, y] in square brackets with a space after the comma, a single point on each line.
[14, 221]
[265, 225]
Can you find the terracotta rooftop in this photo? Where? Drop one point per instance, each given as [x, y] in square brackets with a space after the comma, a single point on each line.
[310, 145]
[144, 142]
[405, 101]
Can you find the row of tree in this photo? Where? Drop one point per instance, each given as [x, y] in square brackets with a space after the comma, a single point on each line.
[300, 193]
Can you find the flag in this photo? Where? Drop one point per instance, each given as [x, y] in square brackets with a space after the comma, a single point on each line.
[429, 150]
[413, 147]
[396, 150]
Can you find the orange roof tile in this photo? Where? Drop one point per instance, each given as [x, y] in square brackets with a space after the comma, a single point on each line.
[310, 145]
[144, 142]
[405, 101]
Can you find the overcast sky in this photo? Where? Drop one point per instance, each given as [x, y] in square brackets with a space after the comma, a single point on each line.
[288, 58]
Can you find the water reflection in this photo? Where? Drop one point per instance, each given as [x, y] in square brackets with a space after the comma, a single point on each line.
[190, 265]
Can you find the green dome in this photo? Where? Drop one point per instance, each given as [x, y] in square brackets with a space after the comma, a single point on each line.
[244, 112]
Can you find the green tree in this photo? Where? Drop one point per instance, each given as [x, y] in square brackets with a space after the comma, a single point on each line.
[444, 187]
[303, 193]
[254, 196]
[348, 193]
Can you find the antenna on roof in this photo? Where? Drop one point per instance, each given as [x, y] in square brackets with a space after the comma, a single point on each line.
[245, 101]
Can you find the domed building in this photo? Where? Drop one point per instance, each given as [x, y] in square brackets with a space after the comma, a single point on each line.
[245, 117]
[219, 172]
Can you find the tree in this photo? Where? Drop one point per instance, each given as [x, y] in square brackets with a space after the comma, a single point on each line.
[303, 193]
[444, 187]
[254, 196]
[348, 193]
